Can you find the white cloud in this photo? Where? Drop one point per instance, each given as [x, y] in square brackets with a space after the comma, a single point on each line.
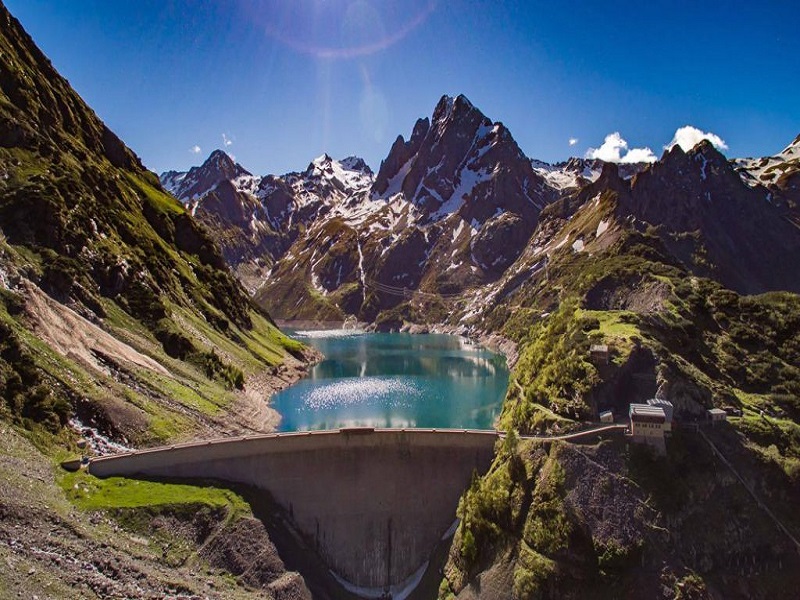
[687, 137]
[195, 149]
[612, 151]
[639, 155]
[226, 141]
[573, 141]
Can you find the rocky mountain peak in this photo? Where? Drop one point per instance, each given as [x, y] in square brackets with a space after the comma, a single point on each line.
[326, 164]
[460, 161]
[449, 108]
[673, 155]
[700, 193]
[356, 163]
[792, 151]
[610, 177]
[457, 118]
[577, 165]
[709, 151]
[779, 173]
[399, 156]
[199, 181]
[701, 168]
[319, 165]
[334, 179]
[220, 164]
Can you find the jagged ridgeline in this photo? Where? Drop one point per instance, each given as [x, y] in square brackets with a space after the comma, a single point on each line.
[113, 301]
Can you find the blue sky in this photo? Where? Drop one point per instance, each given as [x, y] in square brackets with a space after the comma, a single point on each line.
[286, 80]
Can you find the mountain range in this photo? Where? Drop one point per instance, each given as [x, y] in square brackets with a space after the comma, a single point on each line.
[337, 239]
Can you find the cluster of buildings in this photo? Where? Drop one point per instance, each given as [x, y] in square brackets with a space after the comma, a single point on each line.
[651, 422]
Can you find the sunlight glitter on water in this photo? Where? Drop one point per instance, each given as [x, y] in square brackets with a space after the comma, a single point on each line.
[363, 390]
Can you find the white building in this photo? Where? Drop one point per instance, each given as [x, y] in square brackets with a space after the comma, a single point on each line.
[717, 414]
[669, 410]
[648, 425]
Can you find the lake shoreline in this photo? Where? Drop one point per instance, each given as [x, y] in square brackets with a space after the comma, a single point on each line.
[254, 410]
[492, 341]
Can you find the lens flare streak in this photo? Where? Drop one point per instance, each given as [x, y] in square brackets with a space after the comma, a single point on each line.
[281, 24]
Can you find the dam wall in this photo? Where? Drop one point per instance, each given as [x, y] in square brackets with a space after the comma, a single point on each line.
[374, 502]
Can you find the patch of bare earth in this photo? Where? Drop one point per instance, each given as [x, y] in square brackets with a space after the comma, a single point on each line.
[75, 337]
[252, 412]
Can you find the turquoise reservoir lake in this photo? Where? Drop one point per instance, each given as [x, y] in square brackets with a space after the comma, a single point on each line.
[394, 380]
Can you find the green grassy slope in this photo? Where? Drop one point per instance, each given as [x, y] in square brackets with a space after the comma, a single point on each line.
[612, 520]
[83, 221]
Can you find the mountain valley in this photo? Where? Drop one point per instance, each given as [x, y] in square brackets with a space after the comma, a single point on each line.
[139, 311]
[685, 268]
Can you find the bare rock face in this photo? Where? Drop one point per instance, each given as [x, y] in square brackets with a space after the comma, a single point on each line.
[715, 223]
[463, 163]
[198, 181]
[245, 550]
[499, 242]
[226, 203]
[338, 264]
[401, 265]
[399, 155]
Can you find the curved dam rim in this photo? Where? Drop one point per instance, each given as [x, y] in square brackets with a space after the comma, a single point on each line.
[346, 431]
[370, 540]
[399, 527]
[355, 432]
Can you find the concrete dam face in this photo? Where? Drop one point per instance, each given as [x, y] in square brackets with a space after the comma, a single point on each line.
[375, 502]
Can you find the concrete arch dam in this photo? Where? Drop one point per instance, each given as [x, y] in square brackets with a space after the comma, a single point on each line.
[375, 501]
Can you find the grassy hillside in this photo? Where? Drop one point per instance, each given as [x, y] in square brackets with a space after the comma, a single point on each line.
[114, 303]
[117, 308]
[612, 520]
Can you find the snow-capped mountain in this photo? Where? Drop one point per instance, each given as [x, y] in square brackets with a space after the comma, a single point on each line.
[770, 169]
[326, 184]
[570, 175]
[458, 211]
[460, 182]
[780, 174]
[462, 163]
[576, 173]
[199, 181]
[430, 221]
